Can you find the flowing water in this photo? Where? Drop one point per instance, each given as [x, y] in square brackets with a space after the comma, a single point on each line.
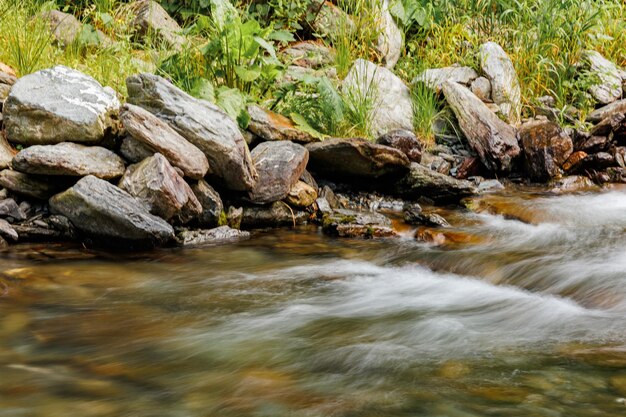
[520, 312]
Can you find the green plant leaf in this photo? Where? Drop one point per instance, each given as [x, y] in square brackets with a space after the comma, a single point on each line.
[248, 74]
[283, 36]
[266, 45]
[231, 100]
[303, 125]
[203, 89]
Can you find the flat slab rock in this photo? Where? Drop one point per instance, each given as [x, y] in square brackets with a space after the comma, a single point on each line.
[106, 213]
[39, 188]
[219, 235]
[202, 123]
[424, 182]
[59, 105]
[69, 159]
[272, 126]
[279, 165]
[357, 158]
[158, 136]
[361, 224]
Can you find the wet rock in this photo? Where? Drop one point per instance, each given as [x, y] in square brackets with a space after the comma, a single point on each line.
[40, 188]
[272, 126]
[219, 235]
[355, 158]
[392, 106]
[616, 107]
[6, 153]
[7, 231]
[505, 88]
[413, 214]
[608, 125]
[405, 141]
[134, 151]
[481, 87]
[423, 182]
[152, 20]
[9, 208]
[279, 165]
[609, 87]
[308, 179]
[489, 186]
[102, 211]
[276, 214]
[349, 223]
[165, 193]
[69, 159]
[390, 42]
[436, 163]
[201, 123]
[301, 195]
[595, 144]
[470, 167]
[546, 147]
[599, 161]
[65, 27]
[211, 202]
[434, 78]
[493, 140]
[574, 162]
[309, 54]
[59, 105]
[158, 136]
[572, 183]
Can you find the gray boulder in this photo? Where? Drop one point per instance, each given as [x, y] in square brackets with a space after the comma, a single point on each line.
[405, 141]
[65, 27]
[39, 188]
[134, 151]
[69, 159]
[102, 211]
[505, 88]
[424, 182]
[201, 123]
[276, 214]
[59, 105]
[392, 107]
[355, 159]
[546, 147]
[481, 87]
[613, 109]
[219, 235]
[390, 41]
[435, 77]
[272, 126]
[280, 165]
[158, 136]
[211, 202]
[165, 193]
[152, 19]
[361, 224]
[609, 87]
[493, 140]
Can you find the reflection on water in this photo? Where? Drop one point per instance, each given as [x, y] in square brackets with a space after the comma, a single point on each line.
[525, 316]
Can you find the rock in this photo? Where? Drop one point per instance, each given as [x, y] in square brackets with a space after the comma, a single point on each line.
[39, 188]
[405, 141]
[470, 167]
[9, 208]
[489, 186]
[201, 123]
[349, 223]
[546, 147]
[59, 105]
[279, 165]
[152, 19]
[7, 231]
[155, 183]
[493, 140]
[219, 235]
[423, 182]
[134, 151]
[390, 41]
[273, 215]
[309, 54]
[356, 159]
[595, 144]
[158, 136]
[608, 125]
[572, 183]
[574, 162]
[481, 87]
[435, 77]
[273, 127]
[505, 88]
[211, 202]
[65, 27]
[69, 159]
[329, 19]
[392, 106]
[234, 217]
[6, 153]
[598, 161]
[102, 211]
[301, 195]
[609, 87]
[308, 179]
[616, 107]
[413, 214]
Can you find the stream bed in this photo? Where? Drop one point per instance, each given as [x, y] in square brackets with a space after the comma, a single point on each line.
[520, 310]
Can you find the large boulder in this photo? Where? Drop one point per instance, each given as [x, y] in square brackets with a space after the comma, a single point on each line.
[355, 159]
[435, 77]
[505, 88]
[201, 123]
[546, 147]
[424, 182]
[280, 165]
[211, 202]
[102, 211]
[272, 126]
[165, 193]
[151, 19]
[609, 85]
[390, 98]
[69, 159]
[32, 186]
[158, 136]
[390, 41]
[493, 140]
[59, 105]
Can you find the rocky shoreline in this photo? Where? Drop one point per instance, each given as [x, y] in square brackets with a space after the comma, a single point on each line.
[168, 169]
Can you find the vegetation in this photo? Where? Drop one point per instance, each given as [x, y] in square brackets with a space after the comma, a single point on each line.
[233, 56]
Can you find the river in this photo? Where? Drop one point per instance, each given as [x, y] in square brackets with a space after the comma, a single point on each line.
[521, 312]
